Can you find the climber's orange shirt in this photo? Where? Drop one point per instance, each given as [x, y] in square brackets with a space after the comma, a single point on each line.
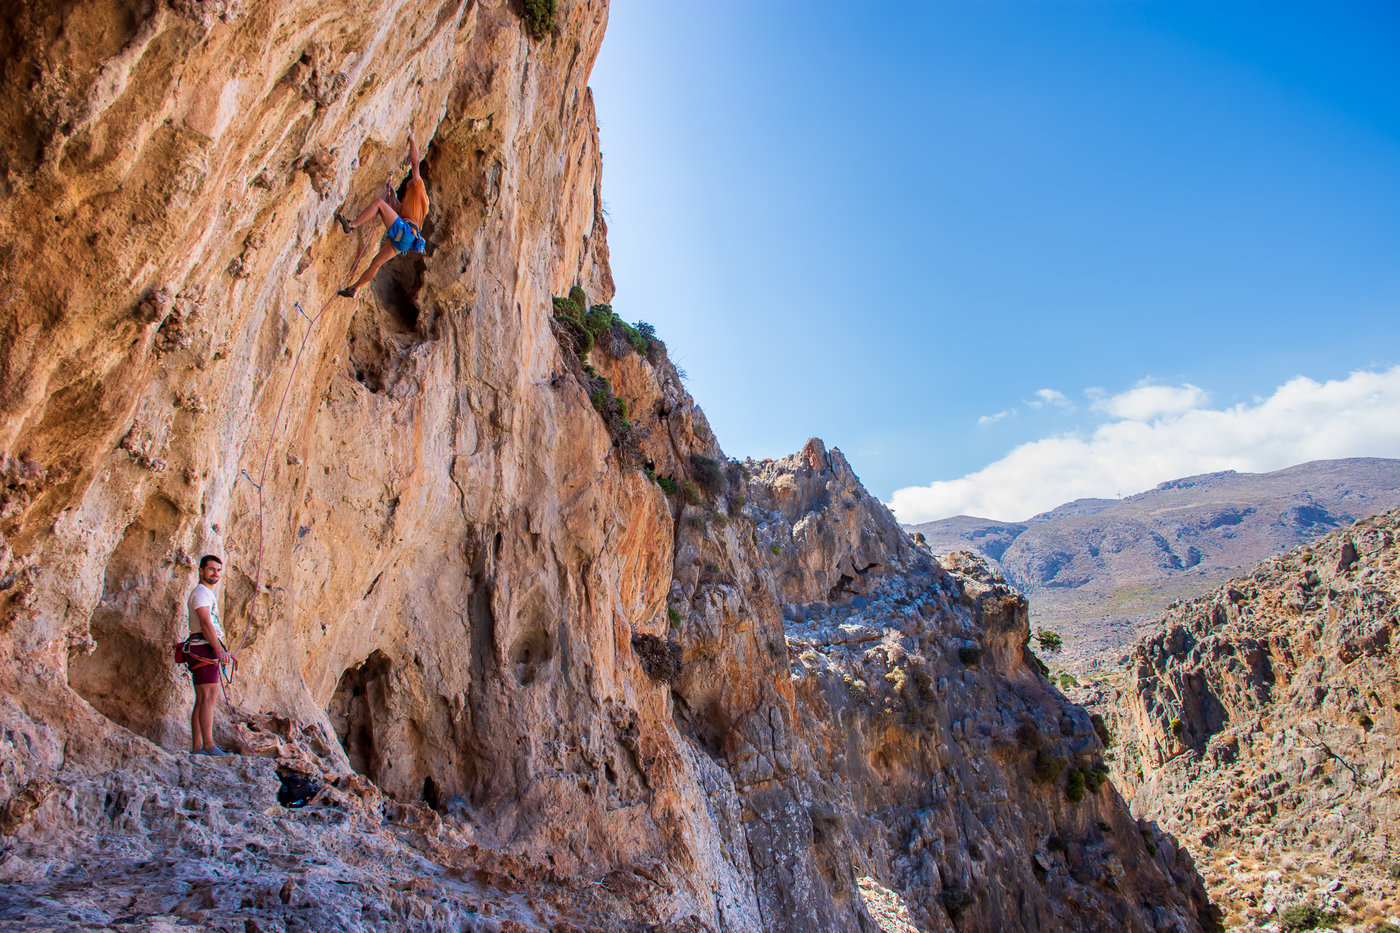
[413, 207]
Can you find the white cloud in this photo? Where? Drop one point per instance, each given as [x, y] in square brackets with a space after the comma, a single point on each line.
[1146, 402]
[1045, 397]
[1358, 416]
[999, 416]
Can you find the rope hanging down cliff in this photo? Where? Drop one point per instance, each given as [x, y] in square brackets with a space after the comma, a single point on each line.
[260, 483]
[403, 222]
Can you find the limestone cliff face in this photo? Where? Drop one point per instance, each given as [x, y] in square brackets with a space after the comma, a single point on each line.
[1260, 725]
[542, 692]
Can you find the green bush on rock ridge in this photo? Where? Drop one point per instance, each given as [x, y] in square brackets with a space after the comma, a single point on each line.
[588, 324]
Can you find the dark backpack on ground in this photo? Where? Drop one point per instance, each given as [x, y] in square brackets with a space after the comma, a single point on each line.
[297, 790]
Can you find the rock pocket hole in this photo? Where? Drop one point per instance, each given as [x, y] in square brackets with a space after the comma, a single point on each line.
[358, 711]
[530, 652]
[397, 287]
[432, 794]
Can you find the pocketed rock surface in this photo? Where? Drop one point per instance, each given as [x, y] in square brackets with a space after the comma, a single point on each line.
[1261, 725]
[541, 693]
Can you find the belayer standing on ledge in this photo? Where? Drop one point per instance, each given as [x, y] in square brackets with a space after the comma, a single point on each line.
[403, 220]
[205, 655]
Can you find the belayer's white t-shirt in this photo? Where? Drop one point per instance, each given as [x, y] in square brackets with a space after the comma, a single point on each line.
[201, 595]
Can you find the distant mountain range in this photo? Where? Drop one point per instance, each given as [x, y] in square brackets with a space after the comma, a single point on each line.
[1098, 570]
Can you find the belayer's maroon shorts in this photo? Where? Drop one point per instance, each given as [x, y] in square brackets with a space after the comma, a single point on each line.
[207, 671]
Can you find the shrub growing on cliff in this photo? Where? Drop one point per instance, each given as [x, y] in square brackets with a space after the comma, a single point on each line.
[708, 475]
[569, 313]
[587, 326]
[602, 323]
[598, 320]
[1074, 790]
[923, 684]
[1028, 735]
[674, 615]
[661, 660]
[1101, 727]
[668, 485]
[956, 900]
[539, 18]
[1048, 768]
[690, 492]
[1095, 778]
[1049, 641]
[612, 408]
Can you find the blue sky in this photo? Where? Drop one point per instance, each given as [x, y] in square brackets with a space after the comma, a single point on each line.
[948, 237]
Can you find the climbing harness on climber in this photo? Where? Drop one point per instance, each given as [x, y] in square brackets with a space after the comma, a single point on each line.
[205, 654]
[403, 221]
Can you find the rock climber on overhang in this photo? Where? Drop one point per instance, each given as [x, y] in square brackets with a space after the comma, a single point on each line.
[402, 219]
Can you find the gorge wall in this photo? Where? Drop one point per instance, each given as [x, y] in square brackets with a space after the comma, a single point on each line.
[542, 692]
[1261, 724]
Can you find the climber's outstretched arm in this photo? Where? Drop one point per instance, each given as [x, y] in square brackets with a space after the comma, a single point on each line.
[413, 153]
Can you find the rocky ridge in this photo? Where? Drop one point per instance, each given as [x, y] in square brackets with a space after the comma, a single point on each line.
[539, 691]
[1101, 571]
[1261, 725]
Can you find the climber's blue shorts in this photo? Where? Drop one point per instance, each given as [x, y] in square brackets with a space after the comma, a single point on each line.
[403, 236]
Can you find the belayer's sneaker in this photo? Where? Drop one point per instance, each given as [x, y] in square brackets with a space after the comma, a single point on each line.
[344, 224]
[214, 752]
[347, 292]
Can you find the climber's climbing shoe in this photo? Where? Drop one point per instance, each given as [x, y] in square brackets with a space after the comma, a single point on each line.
[344, 224]
[347, 292]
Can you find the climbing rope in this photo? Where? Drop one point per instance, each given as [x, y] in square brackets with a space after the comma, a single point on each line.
[226, 677]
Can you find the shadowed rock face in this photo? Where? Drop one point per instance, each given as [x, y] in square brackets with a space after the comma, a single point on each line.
[539, 693]
[1260, 725]
[930, 736]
